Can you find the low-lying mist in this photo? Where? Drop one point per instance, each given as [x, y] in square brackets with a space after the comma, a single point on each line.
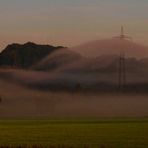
[19, 102]
[66, 84]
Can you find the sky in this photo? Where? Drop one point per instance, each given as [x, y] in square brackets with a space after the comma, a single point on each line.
[71, 22]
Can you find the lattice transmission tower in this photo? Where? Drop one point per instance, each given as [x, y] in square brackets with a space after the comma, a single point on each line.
[122, 77]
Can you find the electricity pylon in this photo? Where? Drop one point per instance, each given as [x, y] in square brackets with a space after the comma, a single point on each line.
[122, 35]
[122, 62]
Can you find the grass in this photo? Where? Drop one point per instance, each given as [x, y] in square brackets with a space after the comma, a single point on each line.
[80, 133]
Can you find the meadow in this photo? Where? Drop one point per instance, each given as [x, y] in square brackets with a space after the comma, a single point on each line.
[111, 133]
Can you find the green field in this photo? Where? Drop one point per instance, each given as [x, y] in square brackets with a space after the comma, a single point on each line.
[80, 133]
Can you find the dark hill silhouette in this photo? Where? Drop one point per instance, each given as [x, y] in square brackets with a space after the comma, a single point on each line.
[24, 56]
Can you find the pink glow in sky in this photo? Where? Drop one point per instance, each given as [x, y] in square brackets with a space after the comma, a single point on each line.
[71, 22]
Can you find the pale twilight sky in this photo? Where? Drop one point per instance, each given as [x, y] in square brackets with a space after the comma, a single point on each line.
[71, 22]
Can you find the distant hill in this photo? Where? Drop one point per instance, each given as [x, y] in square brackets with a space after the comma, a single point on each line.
[26, 55]
[64, 68]
[112, 46]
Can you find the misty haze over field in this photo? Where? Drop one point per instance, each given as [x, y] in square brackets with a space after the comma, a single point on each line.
[22, 103]
[101, 78]
[79, 82]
